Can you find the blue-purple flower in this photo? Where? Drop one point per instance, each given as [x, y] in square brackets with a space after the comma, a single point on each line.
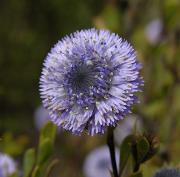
[168, 172]
[98, 162]
[7, 165]
[41, 117]
[88, 81]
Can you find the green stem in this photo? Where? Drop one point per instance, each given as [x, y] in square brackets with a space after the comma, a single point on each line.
[110, 143]
[136, 168]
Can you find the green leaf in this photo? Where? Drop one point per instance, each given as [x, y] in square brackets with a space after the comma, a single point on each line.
[44, 152]
[154, 146]
[46, 143]
[28, 163]
[142, 149]
[137, 174]
[51, 166]
[125, 151]
[36, 172]
[48, 131]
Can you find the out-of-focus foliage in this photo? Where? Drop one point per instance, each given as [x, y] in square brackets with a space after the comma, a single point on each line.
[27, 31]
[40, 164]
[13, 145]
[135, 150]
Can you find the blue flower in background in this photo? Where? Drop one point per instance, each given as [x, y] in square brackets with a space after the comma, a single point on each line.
[7, 165]
[168, 172]
[88, 81]
[153, 31]
[98, 162]
[41, 117]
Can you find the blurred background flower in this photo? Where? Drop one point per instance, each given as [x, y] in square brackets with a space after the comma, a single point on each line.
[98, 162]
[168, 172]
[7, 165]
[41, 117]
[153, 31]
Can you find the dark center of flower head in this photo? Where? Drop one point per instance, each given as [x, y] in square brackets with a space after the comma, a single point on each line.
[80, 78]
[88, 82]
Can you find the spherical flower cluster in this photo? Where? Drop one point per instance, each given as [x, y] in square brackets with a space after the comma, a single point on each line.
[88, 81]
[7, 165]
[168, 172]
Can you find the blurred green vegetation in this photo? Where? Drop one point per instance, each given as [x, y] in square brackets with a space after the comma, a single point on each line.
[29, 28]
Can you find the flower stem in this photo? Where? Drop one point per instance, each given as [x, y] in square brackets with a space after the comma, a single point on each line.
[136, 168]
[110, 143]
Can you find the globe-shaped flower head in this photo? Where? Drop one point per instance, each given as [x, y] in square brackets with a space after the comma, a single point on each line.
[89, 80]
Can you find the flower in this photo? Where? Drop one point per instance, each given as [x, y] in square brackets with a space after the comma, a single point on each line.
[168, 172]
[98, 162]
[88, 81]
[41, 117]
[153, 31]
[7, 165]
